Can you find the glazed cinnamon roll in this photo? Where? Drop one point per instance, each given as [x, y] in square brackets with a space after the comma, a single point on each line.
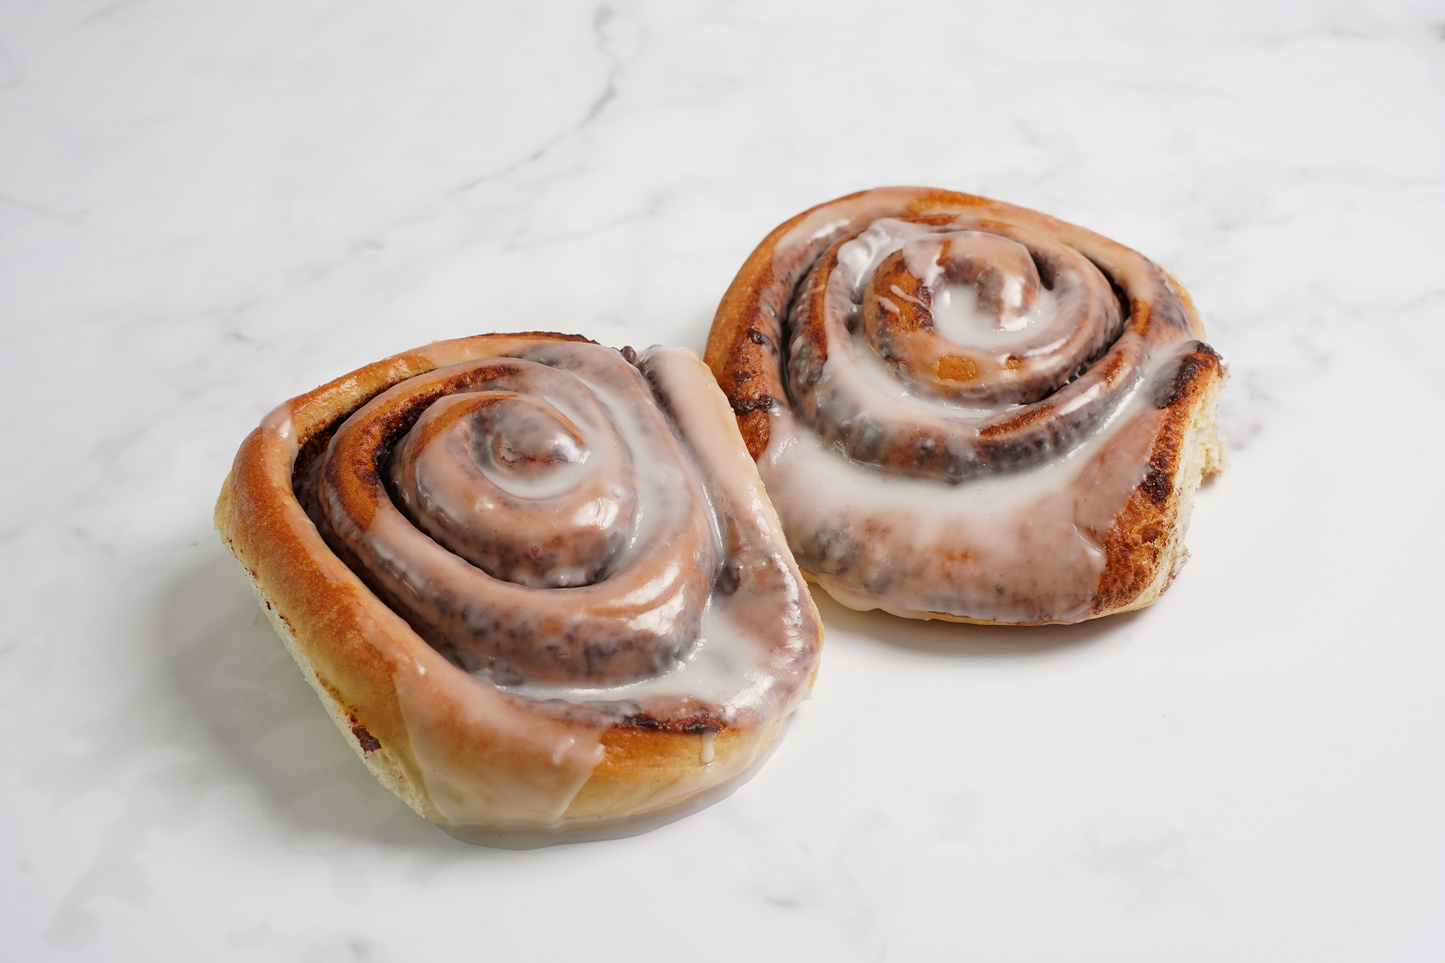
[535, 581]
[967, 410]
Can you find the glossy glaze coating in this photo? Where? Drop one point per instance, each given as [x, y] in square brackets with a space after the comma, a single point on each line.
[953, 400]
[622, 639]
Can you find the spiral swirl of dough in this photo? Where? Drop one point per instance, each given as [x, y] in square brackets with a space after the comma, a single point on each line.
[953, 400]
[1001, 325]
[536, 581]
[528, 535]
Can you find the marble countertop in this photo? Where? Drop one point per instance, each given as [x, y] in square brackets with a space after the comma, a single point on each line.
[206, 209]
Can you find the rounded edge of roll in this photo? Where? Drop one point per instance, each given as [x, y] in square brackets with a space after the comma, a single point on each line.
[321, 617]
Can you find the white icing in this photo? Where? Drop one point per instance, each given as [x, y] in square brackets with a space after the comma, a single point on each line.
[731, 664]
[629, 623]
[1038, 531]
[956, 314]
[855, 359]
[957, 318]
[723, 669]
[277, 424]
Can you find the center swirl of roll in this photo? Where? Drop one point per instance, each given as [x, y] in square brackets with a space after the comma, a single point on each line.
[513, 485]
[968, 316]
[952, 347]
[533, 518]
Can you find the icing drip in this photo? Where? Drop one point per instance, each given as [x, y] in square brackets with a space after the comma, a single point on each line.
[1021, 547]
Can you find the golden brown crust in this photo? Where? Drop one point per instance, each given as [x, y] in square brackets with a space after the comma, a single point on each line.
[1146, 545]
[364, 662]
[1144, 548]
[742, 344]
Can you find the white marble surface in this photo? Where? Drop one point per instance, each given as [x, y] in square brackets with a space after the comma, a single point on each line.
[208, 208]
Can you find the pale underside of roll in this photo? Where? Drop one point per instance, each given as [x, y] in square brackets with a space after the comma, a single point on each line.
[537, 584]
[967, 410]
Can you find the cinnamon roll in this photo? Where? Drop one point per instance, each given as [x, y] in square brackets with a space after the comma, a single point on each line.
[967, 410]
[535, 581]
